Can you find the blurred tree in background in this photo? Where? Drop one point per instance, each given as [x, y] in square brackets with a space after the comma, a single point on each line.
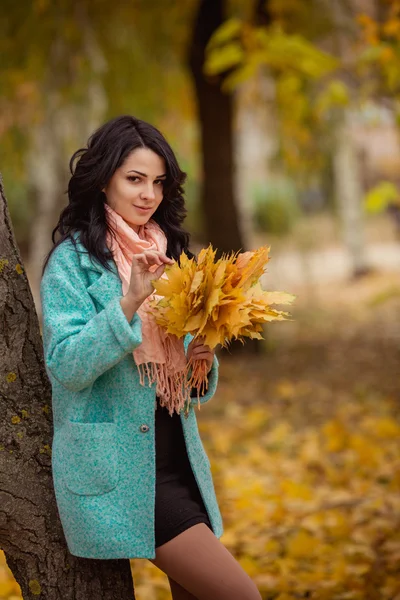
[315, 93]
[379, 72]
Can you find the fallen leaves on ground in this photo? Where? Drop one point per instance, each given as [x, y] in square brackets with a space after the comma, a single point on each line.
[312, 513]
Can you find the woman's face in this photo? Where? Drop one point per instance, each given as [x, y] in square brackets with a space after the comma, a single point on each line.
[137, 183]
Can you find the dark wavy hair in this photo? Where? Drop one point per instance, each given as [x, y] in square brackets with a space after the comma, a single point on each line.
[107, 148]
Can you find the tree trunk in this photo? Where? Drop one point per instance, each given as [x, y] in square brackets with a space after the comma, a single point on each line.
[346, 163]
[348, 193]
[216, 128]
[30, 531]
[42, 165]
[256, 136]
[223, 225]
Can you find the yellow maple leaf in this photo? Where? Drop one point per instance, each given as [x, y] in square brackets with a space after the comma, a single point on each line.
[217, 300]
[251, 265]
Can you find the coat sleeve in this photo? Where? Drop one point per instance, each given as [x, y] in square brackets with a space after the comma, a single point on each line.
[212, 377]
[79, 343]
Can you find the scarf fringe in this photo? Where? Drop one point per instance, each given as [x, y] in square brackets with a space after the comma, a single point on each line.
[175, 391]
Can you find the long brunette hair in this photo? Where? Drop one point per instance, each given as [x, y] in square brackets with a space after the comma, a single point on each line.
[106, 150]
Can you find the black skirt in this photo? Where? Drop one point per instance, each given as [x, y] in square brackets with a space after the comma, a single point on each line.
[178, 502]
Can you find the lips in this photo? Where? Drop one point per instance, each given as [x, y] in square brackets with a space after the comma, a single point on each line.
[142, 208]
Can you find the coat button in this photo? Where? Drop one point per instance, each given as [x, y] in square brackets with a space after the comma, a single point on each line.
[144, 428]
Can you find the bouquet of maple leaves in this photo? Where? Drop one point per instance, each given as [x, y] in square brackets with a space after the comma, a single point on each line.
[216, 300]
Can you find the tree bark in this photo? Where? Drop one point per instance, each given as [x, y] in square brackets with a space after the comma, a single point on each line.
[216, 128]
[348, 193]
[346, 165]
[256, 136]
[30, 531]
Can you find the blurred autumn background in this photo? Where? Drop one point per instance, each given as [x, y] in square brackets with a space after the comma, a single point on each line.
[285, 114]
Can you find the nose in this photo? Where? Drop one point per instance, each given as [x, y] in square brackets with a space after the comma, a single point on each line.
[149, 191]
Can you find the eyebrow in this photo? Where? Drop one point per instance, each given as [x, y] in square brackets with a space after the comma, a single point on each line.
[144, 174]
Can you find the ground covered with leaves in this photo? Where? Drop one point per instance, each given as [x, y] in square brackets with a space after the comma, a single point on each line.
[304, 443]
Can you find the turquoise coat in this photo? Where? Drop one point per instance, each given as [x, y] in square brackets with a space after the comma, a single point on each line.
[103, 451]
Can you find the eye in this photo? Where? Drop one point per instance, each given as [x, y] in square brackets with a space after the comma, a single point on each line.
[160, 181]
[133, 178]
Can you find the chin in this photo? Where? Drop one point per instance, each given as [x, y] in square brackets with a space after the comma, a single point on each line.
[138, 223]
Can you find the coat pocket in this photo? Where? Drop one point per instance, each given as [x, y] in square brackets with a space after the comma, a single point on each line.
[90, 457]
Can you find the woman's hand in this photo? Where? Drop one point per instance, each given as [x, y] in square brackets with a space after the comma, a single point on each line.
[197, 350]
[140, 286]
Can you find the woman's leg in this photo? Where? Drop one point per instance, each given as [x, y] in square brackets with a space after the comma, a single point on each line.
[178, 592]
[198, 562]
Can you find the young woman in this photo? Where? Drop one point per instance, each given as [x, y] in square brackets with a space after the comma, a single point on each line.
[131, 476]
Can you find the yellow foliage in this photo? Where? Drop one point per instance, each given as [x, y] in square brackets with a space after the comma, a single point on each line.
[392, 27]
[297, 491]
[272, 546]
[387, 428]
[302, 545]
[256, 418]
[285, 389]
[336, 436]
[370, 29]
[217, 300]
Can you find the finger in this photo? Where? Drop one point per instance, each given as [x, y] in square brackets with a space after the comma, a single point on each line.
[199, 341]
[196, 349]
[163, 257]
[154, 252]
[203, 355]
[153, 257]
[201, 348]
[167, 260]
[157, 259]
[158, 272]
[139, 258]
[205, 347]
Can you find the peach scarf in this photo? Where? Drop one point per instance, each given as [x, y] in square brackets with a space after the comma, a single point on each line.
[160, 357]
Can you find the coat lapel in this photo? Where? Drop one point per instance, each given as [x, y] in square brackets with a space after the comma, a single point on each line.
[105, 284]
[105, 287]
